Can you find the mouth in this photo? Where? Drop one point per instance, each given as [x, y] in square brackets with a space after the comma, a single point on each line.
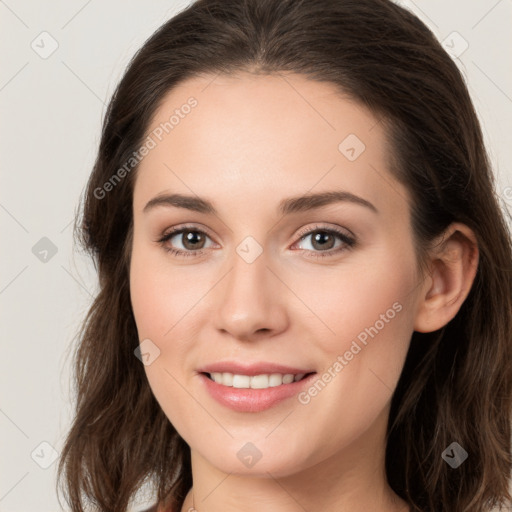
[261, 381]
[254, 393]
[253, 386]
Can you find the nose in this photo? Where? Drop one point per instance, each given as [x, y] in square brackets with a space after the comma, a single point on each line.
[250, 300]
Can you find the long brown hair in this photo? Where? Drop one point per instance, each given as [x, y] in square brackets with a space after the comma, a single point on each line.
[456, 384]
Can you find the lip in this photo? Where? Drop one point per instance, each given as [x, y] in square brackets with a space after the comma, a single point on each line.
[251, 369]
[248, 399]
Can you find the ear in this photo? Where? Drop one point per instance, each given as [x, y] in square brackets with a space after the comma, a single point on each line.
[453, 266]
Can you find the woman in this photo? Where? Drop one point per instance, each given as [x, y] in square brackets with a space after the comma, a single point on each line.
[306, 291]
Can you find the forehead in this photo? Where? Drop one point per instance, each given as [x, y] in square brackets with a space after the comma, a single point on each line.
[262, 135]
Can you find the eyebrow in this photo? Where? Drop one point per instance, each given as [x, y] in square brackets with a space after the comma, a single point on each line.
[286, 206]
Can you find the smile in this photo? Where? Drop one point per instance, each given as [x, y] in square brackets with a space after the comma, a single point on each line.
[262, 381]
[253, 393]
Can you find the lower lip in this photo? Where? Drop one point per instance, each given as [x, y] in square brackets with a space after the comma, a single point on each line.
[253, 400]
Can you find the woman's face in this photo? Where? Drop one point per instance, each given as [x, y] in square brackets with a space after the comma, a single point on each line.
[274, 276]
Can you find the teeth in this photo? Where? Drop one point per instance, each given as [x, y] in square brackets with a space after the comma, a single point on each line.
[241, 381]
[263, 381]
[227, 379]
[276, 379]
[259, 382]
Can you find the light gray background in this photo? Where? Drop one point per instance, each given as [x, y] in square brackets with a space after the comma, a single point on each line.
[51, 109]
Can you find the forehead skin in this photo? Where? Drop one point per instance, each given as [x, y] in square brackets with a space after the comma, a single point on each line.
[254, 139]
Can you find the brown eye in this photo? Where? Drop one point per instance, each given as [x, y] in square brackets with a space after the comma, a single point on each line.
[323, 240]
[192, 239]
[187, 241]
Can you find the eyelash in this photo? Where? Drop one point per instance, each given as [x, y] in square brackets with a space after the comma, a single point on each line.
[346, 239]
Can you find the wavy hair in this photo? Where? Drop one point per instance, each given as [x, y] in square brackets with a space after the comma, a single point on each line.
[456, 384]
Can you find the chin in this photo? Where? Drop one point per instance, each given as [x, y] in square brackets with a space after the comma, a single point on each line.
[256, 460]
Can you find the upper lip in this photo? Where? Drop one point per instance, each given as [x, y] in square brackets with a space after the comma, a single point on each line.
[250, 369]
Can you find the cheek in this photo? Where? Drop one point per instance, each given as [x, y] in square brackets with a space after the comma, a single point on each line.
[373, 298]
[165, 306]
[371, 315]
[161, 303]
[161, 296]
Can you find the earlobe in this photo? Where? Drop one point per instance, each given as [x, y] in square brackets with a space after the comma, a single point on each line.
[453, 266]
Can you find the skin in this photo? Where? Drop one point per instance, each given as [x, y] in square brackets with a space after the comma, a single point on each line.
[252, 141]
